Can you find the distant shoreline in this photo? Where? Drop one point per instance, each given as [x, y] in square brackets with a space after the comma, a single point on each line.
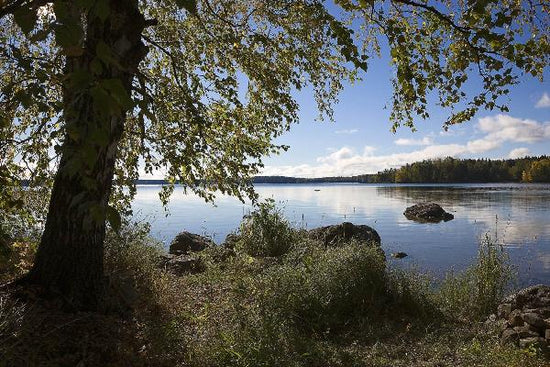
[438, 171]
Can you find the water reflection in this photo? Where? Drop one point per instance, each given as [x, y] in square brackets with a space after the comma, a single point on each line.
[515, 214]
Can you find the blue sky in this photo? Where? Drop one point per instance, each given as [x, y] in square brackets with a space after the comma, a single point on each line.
[360, 140]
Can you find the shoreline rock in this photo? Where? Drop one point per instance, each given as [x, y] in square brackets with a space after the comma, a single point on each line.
[526, 317]
[334, 235]
[427, 213]
[186, 242]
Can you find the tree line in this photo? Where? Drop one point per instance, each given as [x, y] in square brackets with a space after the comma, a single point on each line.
[446, 170]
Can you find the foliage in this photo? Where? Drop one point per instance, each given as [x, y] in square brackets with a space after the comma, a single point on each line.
[314, 306]
[97, 90]
[538, 171]
[464, 170]
[132, 257]
[215, 87]
[326, 289]
[446, 170]
[265, 232]
[20, 231]
[476, 292]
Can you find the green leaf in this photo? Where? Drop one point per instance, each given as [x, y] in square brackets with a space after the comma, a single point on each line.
[80, 79]
[102, 9]
[113, 217]
[68, 35]
[189, 5]
[25, 19]
[105, 54]
[118, 92]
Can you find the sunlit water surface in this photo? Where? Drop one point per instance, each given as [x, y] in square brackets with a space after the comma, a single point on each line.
[517, 215]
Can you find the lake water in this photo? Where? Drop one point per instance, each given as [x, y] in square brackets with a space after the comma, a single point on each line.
[517, 215]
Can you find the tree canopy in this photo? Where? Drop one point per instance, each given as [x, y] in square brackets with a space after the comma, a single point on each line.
[94, 91]
[216, 85]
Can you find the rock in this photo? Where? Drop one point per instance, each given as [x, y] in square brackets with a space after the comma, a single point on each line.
[515, 318]
[336, 234]
[525, 331]
[504, 310]
[534, 319]
[509, 336]
[536, 341]
[186, 242]
[427, 212]
[524, 315]
[398, 255]
[185, 264]
[544, 312]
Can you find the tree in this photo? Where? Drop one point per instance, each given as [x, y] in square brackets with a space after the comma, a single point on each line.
[95, 90]
[539, 171]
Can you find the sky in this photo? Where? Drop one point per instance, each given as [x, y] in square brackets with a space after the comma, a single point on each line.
[359, 140]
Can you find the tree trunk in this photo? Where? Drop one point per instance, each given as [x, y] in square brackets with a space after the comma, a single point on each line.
[69, 261]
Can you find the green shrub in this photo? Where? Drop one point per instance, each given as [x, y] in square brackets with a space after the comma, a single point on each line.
[476, 292]
[265, 232]
[412, 294]
[131, 263]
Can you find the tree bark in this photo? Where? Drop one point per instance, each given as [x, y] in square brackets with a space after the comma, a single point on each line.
[69, 261]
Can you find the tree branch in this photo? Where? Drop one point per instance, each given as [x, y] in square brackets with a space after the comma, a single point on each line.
[18, 4]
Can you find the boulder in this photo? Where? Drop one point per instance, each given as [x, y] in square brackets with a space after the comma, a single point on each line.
[182, 264]
[336, 234]
[186, 242]
[526, 314]
[427, 212]
[509, 336]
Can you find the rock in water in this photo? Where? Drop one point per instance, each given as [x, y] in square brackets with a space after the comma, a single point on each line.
[427, 212]
[339, 233]
[186, 242]
[398, 255]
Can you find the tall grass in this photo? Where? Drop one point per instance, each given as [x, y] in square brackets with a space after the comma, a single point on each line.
[476, 292]
[265, 232]
[284, 299]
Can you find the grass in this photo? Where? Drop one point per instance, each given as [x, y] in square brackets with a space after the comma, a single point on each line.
[268, 303]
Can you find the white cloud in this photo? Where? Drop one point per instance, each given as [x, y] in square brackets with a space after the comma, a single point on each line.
[336, 156]
[503, 128]
[519, 153]
[424, 141]
[346, 162]
[544, 101]
[498, 130]
[346, 131]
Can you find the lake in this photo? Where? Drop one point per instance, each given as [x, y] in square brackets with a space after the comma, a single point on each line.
[517, 215]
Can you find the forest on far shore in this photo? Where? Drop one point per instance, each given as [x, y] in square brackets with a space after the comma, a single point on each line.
[446, 170]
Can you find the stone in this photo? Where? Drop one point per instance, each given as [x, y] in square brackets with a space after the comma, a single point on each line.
[427, 212]
[526, 314]
[398, 255]
[544, 312]
[509, 336]
[185, 264]
[515, 318]
[525, 331]
[186, 242]
[535, 340]
[504, 310]
[542, 301]
[534, 319]
[336, 234]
